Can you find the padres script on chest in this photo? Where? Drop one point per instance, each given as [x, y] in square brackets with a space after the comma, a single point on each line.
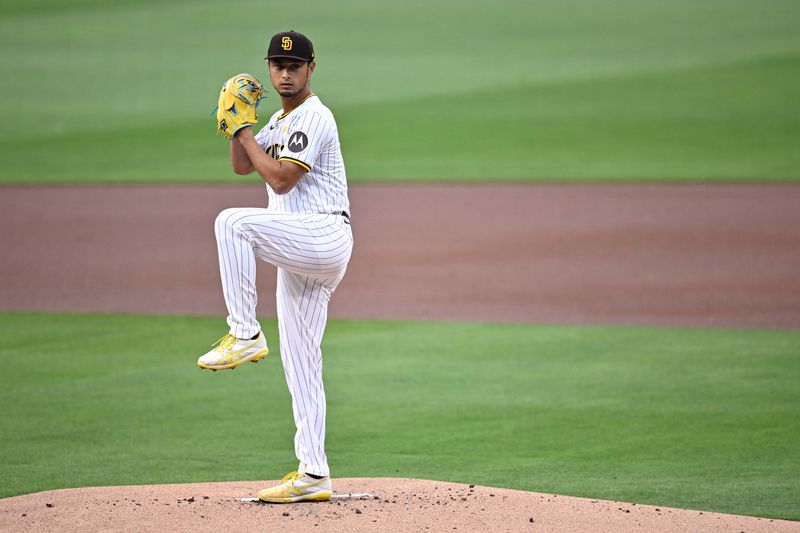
[307, 136]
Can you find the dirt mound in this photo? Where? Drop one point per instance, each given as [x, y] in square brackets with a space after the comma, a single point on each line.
[390, 504]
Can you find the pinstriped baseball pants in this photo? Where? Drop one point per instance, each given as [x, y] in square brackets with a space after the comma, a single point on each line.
[311, 252]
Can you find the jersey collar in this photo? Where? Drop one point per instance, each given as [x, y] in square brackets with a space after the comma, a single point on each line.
[283, 115]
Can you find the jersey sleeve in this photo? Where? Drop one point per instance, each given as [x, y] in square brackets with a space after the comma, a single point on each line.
[308, 135]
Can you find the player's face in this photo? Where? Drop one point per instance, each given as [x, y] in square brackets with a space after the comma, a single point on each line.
[289, 76]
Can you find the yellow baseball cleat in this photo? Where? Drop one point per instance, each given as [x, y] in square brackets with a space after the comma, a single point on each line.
[231, 352]
[296, 487]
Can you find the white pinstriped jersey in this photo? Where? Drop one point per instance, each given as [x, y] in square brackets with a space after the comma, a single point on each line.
[307, 136]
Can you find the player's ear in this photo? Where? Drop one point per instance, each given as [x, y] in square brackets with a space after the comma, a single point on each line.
[311, 66]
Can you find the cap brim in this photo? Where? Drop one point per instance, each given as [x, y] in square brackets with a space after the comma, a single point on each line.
[288, 57]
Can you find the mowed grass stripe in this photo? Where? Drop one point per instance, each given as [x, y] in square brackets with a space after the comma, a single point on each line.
[676, 125]
[451, 90]
[693, 418]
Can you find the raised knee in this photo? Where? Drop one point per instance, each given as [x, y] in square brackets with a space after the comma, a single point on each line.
[227, 219]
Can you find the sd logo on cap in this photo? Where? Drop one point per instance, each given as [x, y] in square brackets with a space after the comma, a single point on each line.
[291, 45]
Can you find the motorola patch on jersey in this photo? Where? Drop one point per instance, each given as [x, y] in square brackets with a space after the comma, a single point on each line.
[297, 142]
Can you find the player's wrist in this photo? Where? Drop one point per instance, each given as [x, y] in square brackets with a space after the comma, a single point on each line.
[243, 131]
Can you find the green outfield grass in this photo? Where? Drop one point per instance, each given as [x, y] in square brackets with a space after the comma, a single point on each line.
[704, 419]
[454, 89]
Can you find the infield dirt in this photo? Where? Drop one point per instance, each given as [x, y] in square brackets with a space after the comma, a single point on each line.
[672, 255]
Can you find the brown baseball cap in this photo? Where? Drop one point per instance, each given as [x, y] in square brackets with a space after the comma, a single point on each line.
[292, 45]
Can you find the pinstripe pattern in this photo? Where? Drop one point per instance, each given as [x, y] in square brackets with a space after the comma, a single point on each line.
[310, 244]
[324, 188]
[311, 252]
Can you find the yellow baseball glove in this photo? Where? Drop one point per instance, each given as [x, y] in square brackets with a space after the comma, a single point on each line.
[237, 104]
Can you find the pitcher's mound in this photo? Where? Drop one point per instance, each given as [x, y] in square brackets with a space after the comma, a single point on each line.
[393, 504]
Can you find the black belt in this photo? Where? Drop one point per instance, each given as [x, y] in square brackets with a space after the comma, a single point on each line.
[345, 214]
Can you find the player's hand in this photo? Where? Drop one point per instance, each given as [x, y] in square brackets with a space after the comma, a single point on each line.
[237, 104]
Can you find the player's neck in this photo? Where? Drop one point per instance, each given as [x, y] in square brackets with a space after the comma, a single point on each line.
[290, 103]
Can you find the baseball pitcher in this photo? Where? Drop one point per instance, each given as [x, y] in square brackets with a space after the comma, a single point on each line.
[304, 231]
